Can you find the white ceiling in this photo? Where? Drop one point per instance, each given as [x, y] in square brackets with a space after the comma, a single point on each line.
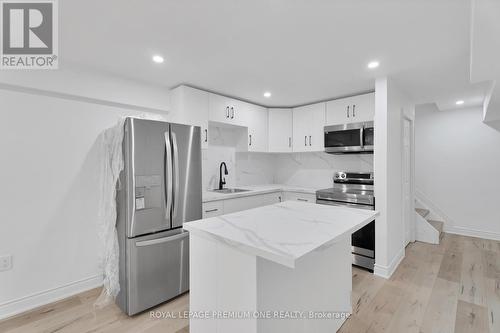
[301, 51]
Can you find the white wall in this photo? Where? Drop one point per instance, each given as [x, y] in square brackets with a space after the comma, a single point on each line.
[49, 175]
[390, 106]
[457, 160]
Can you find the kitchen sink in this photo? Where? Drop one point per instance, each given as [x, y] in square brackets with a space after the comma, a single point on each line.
[230, 190]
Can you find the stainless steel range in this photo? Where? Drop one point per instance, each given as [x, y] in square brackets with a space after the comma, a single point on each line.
[354, 189]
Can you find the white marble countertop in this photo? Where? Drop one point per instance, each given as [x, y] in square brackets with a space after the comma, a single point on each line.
[255, 190]
[285, 231]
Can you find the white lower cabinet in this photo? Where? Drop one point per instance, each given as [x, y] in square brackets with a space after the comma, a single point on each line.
[298, 196]
[227, 206]
[254, 201]
[219, 207]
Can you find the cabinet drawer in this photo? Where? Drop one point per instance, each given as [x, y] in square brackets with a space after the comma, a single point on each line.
[254, 201]
[213, 208]
[297, 196]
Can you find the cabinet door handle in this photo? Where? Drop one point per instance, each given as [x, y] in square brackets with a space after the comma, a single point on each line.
[348, 111]
[305, 140]
[206, 135]
[300, 199]
[250, 139]
[211, 210]
[289, 142]
[227, 111]
[354, 110]
[309, 140]
[232, 112]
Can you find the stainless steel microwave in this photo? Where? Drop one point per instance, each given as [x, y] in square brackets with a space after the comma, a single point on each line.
[349, 138]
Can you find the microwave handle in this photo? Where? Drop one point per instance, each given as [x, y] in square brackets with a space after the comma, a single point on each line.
[362, 137]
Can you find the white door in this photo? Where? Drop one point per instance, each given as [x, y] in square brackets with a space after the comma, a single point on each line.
[190, 106]
[239, 112]
[219, 109]
[337, 112]
[257, 128]
[280, 130]
[363, 108]
[407, 181]
[301, 119]
[317, 128]
[308, 127]
[351, 109]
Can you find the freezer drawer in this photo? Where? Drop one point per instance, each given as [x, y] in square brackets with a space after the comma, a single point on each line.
[158, 268]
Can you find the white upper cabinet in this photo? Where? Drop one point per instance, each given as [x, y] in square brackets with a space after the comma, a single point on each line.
[226, 110]
[300, 129]
[190, 106]
[308, 127]
[280, 130]
[275, 130]
[351, 110]
[256, 119]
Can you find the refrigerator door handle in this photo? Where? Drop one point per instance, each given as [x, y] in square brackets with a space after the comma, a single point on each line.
[168, 176]
[175, 192]
[161, 240]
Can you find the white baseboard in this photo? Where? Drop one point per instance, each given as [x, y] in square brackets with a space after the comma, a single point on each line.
[471, 232]
[20, 305]
[387, 271]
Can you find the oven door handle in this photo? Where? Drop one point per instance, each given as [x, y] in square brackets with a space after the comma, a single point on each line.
[344, 204]
[362, 137]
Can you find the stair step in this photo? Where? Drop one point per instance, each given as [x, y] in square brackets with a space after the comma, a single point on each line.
[422, 212]
[438, 225]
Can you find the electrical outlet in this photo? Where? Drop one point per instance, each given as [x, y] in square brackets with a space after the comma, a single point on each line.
[5, 263]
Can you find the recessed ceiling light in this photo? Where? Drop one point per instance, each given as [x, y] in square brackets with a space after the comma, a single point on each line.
[158, 59]
[373, 64]
[267, 94]
[460, 102]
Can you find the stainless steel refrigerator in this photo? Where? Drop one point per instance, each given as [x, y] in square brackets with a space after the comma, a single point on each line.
[159, 190]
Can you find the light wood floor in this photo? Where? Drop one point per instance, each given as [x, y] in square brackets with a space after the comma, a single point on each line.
[451, 287]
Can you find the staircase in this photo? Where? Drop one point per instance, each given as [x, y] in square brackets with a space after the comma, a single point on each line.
[428, 230]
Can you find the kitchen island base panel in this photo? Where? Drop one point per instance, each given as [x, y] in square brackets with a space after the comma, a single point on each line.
[227, 281]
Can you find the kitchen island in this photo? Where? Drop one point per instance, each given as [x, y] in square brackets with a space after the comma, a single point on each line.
[279, 268]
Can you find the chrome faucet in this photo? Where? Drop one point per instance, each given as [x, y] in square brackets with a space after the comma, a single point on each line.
[222, 181]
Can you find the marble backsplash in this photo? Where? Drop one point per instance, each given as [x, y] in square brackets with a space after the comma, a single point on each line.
[313, 170]
[221, 149]
[316, 169]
